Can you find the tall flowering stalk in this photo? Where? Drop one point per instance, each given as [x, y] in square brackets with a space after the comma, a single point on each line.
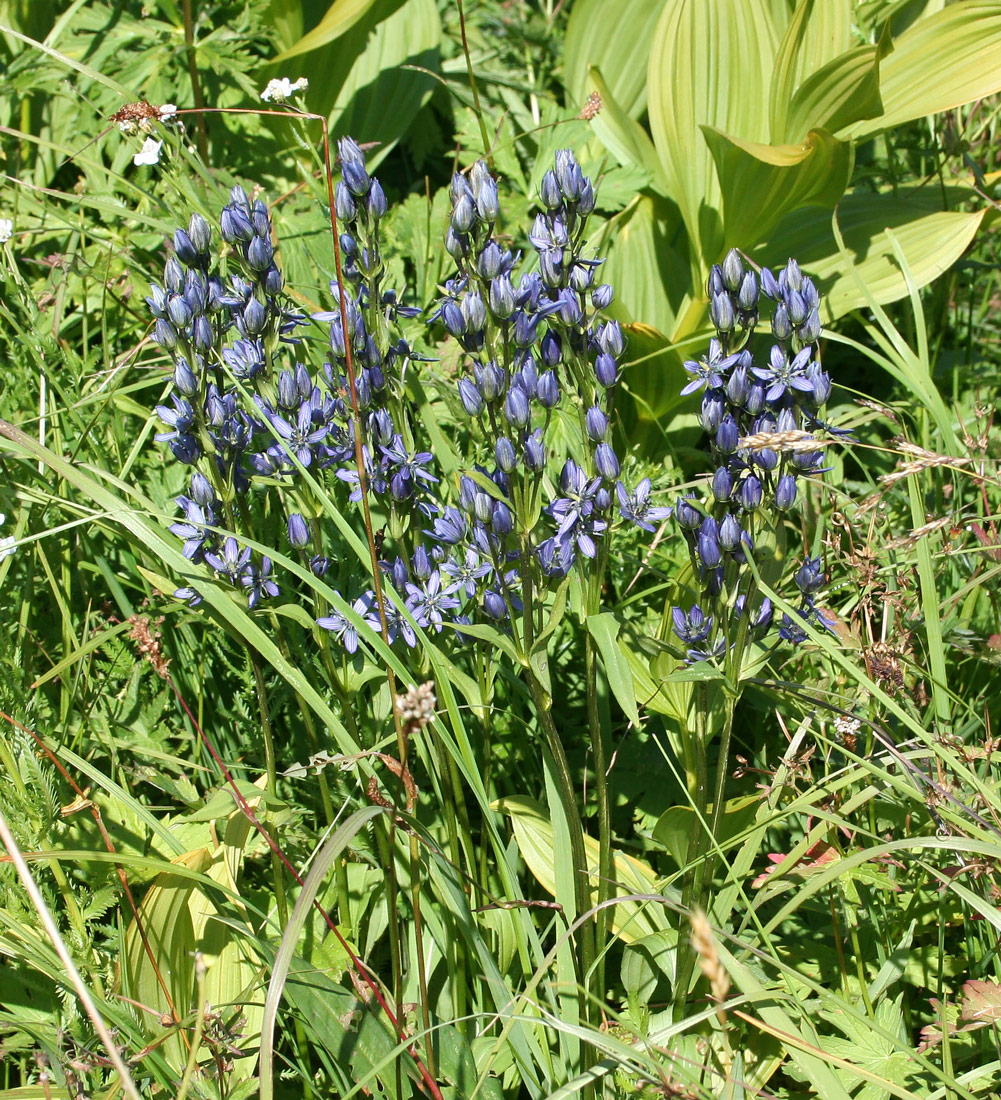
[761, 418]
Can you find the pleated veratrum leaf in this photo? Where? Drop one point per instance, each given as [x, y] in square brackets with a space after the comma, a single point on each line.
[621, 135]
[340, 17]
[650, 276]
[616, 39]
[533, 833]
[709, 63]
[844, 91]
[818, 32]
[932, 240]
[360, 81]
[948, 59]
[762, 183]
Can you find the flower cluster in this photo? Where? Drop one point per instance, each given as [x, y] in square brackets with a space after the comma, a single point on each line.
[758, 417]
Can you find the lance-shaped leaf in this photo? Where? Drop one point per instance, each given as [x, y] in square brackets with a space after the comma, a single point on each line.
[948, 59]
[762, 183]
[709, 64]
[931, 240]
[616, 39]
[841, 93]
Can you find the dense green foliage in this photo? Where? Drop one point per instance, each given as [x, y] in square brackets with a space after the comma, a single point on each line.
[270, 879]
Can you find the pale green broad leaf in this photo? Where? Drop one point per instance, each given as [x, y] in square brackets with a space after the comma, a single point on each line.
[621, 135]
[841, 93]
[950, 58]
[708, 63]
[340, 17]
[819, 32]
[931, 241]
[533, 832]
[762, 183]
[367, 81]
[616, 39]
[604, 629]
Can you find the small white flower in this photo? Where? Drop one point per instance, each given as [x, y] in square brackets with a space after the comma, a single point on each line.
[7, 543]
[149, 153]
[167, 112]
[278, 91]
[6, 232]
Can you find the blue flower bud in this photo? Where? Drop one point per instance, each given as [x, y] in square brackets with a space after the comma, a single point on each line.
[602, 499]
[254, 317]
[548, 390]
[751, 492]
[178, 311]
[377, 204]
[467, 493]
[732, 271]
[747, 295]
[184, 378]
[551, 266]
[595, 424]
[610, 339]
[453, 319]
[727, 435]
[353, 167]
[494, 605]
[474, 312]
[707, 547]
[186, 251]
[199, 233]
[570, 311]
[526, 328]
[319, 565]
[793, 276]
[528, 376]
[202, 335]
[421, 563]
[785, 492]
[715, 284]
[535, 452]
[399, 574]
[781, 326]
[260, 219]
[550, 348]
[517, 408]
[569, 177]
[721, 313]
[470, 396]
[714, 408]
[164, 334]
[456, 244]
[810, 330]
[797, 308]
[483, 506]
[202, 492]
[491, 380]
[765, 459]
[298, 531]
[235, 224]
[729, 532]
[260, 253]
[809, 577]
[507, 460]
[687, 515]
[501, 519]
[606, 370]
[487, 200]
[586, 202]
[273, 281]
[549, 191]
[737, 386]
[722, 484]
[463, 214]
[601, 296]
[606, 462]
[581, 276]
[501, 297]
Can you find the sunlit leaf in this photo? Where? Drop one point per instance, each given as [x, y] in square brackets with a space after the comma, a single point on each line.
[762, 183]
[340, 17]
[616, 39]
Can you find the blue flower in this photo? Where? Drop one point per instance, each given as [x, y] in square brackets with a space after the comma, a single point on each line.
[257, 580]
[342, 628]
[427, 602]
[692, 627]
[710, 370]
[637, 508]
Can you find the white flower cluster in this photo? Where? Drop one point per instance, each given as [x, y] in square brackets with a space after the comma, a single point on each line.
[6, 232]
[7, 544]
[279, 91]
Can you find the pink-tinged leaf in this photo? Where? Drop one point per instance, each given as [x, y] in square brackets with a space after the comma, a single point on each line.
[814, 859]
[981, 1001]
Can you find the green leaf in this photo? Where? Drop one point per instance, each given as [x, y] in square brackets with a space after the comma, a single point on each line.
[604, 630]
[621, 135]
[931, 239]
[616, 39]
[762, 183]
[844, 91]
[819, 32]
[340, 17]
[533, 832]
[677, 825]
[707, 60]
[941, 62]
